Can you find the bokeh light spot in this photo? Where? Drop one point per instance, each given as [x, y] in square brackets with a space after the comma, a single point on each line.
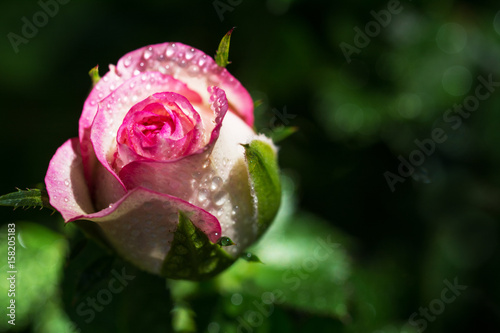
[451, 38]
[457, 80]
[409, 105]
[349, 117]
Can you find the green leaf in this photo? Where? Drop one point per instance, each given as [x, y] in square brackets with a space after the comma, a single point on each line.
[307, 267]
[265, 178]
[26, 199]
[192, 256]
[94, 75]
[282, 132]
[222, 54]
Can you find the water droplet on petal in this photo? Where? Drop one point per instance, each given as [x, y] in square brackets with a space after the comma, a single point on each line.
[170, 50]
[202, 195]
[66, 182]
[216, 183]
[66, 199]
[127, 61]
[148, 53]
[220, 198]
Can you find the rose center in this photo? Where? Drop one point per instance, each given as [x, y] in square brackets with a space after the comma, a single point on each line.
[158, 128]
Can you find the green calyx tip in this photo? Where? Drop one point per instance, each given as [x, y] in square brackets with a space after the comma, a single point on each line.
[222, 54]
[94, 75]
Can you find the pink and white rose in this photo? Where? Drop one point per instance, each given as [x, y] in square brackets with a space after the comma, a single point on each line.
[161, 133]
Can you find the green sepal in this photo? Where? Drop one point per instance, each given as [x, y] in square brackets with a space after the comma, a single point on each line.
[222, 54]
[94, 75]
[192, 256]
[282, 132]
[265, 179]
[29, 198]
[250, 257]
[225, 241]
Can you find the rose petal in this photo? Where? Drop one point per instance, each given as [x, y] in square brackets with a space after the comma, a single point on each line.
[157, 175]
[216, 180]
[134, 146]
[141, 225]
[65, 181]
[191, 66]
[113, 108]
[103, 88]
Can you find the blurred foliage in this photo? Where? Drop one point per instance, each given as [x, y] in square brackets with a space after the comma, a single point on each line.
[354, 119]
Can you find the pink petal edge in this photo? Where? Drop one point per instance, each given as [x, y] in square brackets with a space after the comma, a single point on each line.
[141, 225]
[65, 182]
[146, 173]
[191, 66]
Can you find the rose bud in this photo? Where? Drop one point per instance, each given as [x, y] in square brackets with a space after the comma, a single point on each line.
[167, 163]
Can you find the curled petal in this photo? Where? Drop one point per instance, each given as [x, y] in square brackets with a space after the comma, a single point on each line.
[156, 174]
[141, 225]
[164, 127]
[112, 110]
[192, 66]
[65, 181]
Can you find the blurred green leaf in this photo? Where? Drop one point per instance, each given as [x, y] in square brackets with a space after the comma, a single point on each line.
[39, 255]
[282, 132]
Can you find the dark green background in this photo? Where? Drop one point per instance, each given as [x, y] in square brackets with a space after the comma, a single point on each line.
[354, 120]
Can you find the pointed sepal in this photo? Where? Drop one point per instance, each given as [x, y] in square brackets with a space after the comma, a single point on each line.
[222, 54]
[192, 256]
[94, 75]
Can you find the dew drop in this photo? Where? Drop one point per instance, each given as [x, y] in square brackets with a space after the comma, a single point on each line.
[220, 212]
[190, 54]
[170, 50]
[216, 183]
[127, 61]
[235, 210]
[220, 198]
[206, 164]
[193, 70]
[66, 182]
[148, 53]
[202, 60]
[110, 206]
[202, 195]
[66, 199]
